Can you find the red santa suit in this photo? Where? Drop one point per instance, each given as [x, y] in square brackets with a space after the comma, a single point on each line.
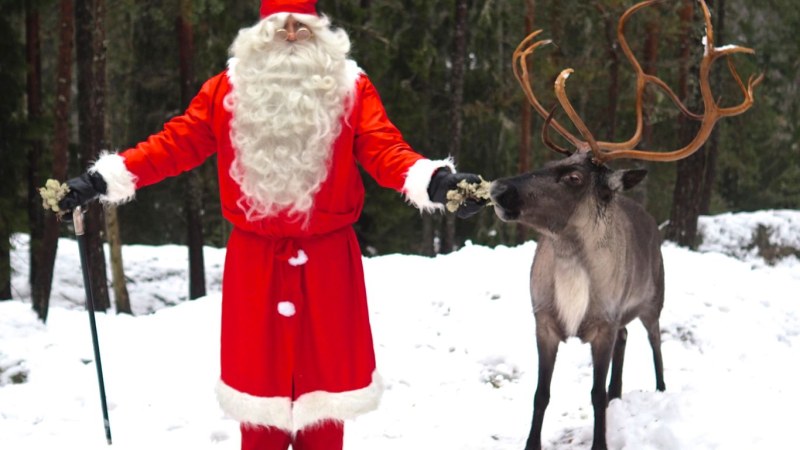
[296, 342]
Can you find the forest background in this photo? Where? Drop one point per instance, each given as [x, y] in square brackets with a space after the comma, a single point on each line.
[81, 76]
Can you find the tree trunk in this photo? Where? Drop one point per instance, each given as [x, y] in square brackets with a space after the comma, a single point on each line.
[195, 242]
[193, 179]
[524, 159]
[5, 256]
[712, 148]
[456, 105]
[90, 133]
[651, 40]
[649, 58]
[40, 292]
[11, 136]
[122, 300]
[682, 227]
[5, 265]
[33, 56]
[610, 24]
[428, 243]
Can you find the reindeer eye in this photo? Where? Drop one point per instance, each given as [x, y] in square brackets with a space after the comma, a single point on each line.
[573, 178]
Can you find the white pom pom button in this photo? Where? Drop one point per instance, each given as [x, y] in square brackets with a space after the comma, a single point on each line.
[286, 309]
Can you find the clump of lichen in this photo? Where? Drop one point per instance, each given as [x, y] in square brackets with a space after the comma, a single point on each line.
[465, 190]
[52, 193]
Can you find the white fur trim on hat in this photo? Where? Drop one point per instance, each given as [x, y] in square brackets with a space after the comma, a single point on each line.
[319, 406]
[249, 409]
[418, 178]
[120, 183]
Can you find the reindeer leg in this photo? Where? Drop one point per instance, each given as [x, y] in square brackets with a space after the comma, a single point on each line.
[547, 341]
[615, 386]
[654, 335]
[602, 347]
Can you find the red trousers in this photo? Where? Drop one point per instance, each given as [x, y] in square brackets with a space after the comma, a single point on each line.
[328, 435]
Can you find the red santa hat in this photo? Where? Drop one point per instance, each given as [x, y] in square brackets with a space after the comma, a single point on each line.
[270, 7]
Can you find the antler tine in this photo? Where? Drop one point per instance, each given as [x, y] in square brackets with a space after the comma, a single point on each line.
[642, 79]
[712, 54]
[590, 143]
[747, 91]
[546, 134]
[712, 111]
[606, 151]
[520, 69]
[673, 96]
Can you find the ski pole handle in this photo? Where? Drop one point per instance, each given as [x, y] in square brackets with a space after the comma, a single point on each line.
[77, 221]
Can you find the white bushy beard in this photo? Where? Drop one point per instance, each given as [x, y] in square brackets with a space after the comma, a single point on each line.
[287, 101]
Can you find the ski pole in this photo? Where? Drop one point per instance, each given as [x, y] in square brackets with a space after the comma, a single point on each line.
[77, 220]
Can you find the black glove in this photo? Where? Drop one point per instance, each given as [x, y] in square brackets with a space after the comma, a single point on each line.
[82, 190]
[443, 181]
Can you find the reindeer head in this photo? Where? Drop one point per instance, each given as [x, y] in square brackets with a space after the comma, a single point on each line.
[562, 187]
[563, 191]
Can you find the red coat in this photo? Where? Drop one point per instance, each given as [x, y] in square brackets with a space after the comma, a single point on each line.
[296, 342]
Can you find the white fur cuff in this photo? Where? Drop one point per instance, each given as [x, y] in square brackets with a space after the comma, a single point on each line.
[246, 408]
[418, 178]
[121, 183]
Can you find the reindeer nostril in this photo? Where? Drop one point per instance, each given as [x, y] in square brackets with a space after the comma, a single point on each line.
[497, 190]
[505, 195]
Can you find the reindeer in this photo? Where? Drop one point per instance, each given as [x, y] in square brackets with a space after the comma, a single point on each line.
[598, 262]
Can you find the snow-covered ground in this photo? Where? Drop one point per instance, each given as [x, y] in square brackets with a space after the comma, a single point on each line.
[458, 357]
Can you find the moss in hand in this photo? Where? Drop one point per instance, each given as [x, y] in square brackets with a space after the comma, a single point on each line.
[52, 193]
[465, 190]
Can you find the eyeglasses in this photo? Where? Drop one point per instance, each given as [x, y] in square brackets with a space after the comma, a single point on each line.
[301, 34]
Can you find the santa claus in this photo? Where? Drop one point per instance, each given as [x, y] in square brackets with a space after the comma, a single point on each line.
[290, 121]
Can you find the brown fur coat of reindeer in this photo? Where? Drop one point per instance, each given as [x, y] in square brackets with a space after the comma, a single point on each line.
[598, 262]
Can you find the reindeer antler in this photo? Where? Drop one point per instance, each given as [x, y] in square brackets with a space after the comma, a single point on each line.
[606, 151]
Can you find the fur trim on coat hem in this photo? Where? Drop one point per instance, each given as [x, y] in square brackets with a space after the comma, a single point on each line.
[319, 406]
[311, 409]
[260, 411]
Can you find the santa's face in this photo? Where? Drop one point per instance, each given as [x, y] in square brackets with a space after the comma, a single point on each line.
[293, 30]
[289, 92]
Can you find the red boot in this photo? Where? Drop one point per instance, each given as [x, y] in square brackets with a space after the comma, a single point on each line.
[328, 435]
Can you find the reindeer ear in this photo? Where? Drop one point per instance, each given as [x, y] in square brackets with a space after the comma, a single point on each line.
[622, 180]
[630, 178]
